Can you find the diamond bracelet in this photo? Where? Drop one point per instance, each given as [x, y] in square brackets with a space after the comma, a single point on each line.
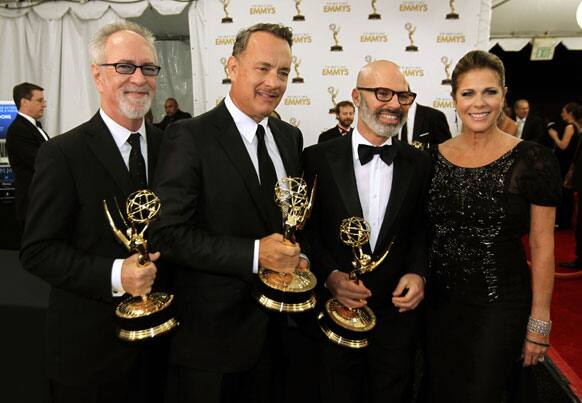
[538, 326]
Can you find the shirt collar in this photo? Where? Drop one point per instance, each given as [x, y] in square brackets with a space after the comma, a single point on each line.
[120, 134]
[246, 126]
[27, 117]
[358, 139]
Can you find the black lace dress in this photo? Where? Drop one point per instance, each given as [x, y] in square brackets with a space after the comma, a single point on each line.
[479, 294]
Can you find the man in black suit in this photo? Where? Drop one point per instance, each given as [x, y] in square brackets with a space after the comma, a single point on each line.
[173, 113]
[218, 224]
[370, 174]
[344, 113]
[429, 127]
[23, 139]
[529, 127]
[67, 239]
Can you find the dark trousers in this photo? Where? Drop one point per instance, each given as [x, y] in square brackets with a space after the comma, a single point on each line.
[578, 232]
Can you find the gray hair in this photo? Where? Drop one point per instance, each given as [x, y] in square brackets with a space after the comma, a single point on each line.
[279, 30]
[97, 44]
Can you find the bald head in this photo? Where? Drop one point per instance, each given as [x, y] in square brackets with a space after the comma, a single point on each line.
[378, 71]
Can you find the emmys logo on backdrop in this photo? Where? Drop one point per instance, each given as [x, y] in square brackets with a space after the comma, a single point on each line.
[447, 65]
[263, 9]
[337, 7]
[299, 39]
[298, 16]
[294, 121]
[443, 103]
[414, 6]
[335, 31]
[412, 71]
[335, 71]
[297, 100]
[450, 38]
[453, 14]
[374, 15]
[224, 62]
[411, 29]
[224, 40]
[333, 92]
[297, 79]
[373, 37]
[369, 58]
[227, 18]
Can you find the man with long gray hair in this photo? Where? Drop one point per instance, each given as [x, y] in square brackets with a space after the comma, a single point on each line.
[68, 242]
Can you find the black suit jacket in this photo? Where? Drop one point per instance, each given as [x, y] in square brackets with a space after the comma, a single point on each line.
[430, 126]
[533, 129]
[68, 242]
[337, 198]
[211, 214]
[22, 143]
[167, 120]
[330, 134]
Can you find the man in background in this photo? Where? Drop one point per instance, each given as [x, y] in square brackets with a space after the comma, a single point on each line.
[344, 113]
[529, 126]
[23, 139]
[173, 113]
[425, 127]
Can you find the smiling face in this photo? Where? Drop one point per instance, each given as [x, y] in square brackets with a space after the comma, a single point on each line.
[378, 120]
[126, 98]
[259, 75]
[479, 99]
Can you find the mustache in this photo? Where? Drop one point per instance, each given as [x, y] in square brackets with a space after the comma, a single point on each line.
[397, 112]
[138, 88]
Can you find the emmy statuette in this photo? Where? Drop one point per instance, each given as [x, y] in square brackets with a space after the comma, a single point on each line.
[447, 65]
[298, 16]
[289, 292]
[453, 15]
[349, 327]
[145, 316]
[374, 15]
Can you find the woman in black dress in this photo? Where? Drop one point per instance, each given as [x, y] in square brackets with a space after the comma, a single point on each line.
[488, 314]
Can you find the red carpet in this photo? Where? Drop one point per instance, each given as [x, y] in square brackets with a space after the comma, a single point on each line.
[566, 338]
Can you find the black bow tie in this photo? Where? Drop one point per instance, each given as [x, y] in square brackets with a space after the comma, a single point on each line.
[366, 153]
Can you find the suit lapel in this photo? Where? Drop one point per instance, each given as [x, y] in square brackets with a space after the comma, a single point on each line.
[101, 142]
[401, 179]
[232, 144]
[418, 122]
[285, 146]
[340, 158]
[32, 128]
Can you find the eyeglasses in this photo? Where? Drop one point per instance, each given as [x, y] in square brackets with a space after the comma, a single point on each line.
[386, 94]
[148, 70]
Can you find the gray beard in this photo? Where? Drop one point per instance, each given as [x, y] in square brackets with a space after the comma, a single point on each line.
[382, 130]
[134, 110]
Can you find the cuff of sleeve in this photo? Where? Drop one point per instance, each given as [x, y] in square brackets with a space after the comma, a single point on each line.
[256, 257]
[116, 287]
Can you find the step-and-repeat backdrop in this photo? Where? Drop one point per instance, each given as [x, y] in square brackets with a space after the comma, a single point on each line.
[332, 40]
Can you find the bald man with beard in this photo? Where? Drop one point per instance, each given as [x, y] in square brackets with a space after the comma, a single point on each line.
[369, 173]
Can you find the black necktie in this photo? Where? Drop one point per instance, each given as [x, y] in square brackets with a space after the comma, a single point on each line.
[404, 134]
[137, 169]
[268, 177]
[366, 153]
[38, 124]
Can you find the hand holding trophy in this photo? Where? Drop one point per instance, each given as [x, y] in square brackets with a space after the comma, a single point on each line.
[289, 292]
[144, 316]
[345, 326]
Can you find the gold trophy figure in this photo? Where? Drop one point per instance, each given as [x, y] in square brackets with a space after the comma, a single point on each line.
[294, 121]
[368, 58]
[447, 63]
[227, 18]
[333, 92]
[224, 63]
[145, 316]
[349, 327]
[411, 29]
[335, 29]
[298, 16]
[289, 292]
[297, 79]
[374, 15]
[453, 14]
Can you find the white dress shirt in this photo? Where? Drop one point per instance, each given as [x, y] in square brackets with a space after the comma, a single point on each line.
[121, 137]
[520, 125]
[247, 128]
[374, 182]
[33, 121]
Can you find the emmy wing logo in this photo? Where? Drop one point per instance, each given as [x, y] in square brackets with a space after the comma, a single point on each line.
[227, 18]
[297, 79]
[453, 14]
[411, 29]
[298, 16]
[374, 15]
[333, 92]
[447, 65]
[294, 121]
[335, 31]
[226, 80]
